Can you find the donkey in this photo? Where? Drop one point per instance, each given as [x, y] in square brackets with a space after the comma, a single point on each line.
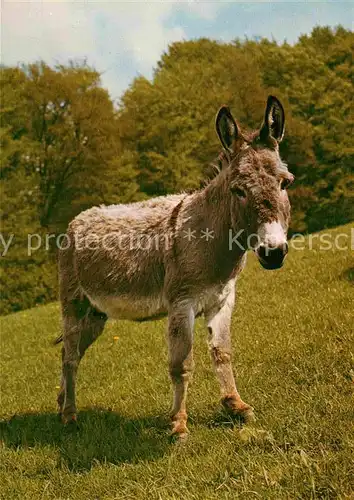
[178, 255]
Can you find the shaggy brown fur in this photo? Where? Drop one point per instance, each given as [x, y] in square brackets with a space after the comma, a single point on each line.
[153, 258]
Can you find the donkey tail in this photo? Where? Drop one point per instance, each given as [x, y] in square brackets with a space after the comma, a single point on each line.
[58, 339]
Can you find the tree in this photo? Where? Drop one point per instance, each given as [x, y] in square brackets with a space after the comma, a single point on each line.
[60, 154]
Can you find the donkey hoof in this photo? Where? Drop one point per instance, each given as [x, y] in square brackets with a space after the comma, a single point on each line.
[70, 419]
[179, 436]
[248, 416]
[238, 408]
[179, 429]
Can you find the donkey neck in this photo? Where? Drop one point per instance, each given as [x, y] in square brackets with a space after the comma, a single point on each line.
[215, 205]
[210, 209]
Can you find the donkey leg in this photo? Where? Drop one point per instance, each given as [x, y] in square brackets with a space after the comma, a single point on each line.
[79, 334]
[61, 395]
[219, 322]
[70, 360]
[180, 341]
[93, 327]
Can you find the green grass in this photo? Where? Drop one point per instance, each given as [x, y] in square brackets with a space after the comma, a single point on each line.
[293, 345]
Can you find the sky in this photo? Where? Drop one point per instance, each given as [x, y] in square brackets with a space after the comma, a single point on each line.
[126, 39]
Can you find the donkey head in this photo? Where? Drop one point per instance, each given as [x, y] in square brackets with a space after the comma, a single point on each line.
[257, 180]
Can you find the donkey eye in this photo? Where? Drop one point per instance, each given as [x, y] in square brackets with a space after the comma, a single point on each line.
[238, 191]
[285, 183]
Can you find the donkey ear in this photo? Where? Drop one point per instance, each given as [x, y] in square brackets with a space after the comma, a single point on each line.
[274, 120]
[226, 128]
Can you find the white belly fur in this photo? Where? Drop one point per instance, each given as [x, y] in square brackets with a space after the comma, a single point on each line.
[126, 307]
[137, 308]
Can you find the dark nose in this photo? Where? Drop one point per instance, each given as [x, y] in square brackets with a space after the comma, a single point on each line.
[272, 257]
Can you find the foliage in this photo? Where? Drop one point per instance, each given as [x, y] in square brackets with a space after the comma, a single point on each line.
[293, 358]
[25, 279]
[65, 146]
[60, 154]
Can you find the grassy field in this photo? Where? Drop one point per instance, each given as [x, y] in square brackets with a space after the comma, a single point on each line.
[293, 345]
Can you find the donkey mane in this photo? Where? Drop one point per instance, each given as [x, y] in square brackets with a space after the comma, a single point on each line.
[214, 167]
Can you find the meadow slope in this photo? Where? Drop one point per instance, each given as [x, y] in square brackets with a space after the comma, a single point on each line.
[293, 346]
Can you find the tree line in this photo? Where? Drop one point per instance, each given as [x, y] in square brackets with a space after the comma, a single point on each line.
[65, 145]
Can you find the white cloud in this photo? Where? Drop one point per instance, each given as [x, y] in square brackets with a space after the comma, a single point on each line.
[46, 31]
[138, 29]
[121, 39]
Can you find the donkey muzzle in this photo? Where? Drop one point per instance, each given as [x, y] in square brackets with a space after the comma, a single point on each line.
[272, 257]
